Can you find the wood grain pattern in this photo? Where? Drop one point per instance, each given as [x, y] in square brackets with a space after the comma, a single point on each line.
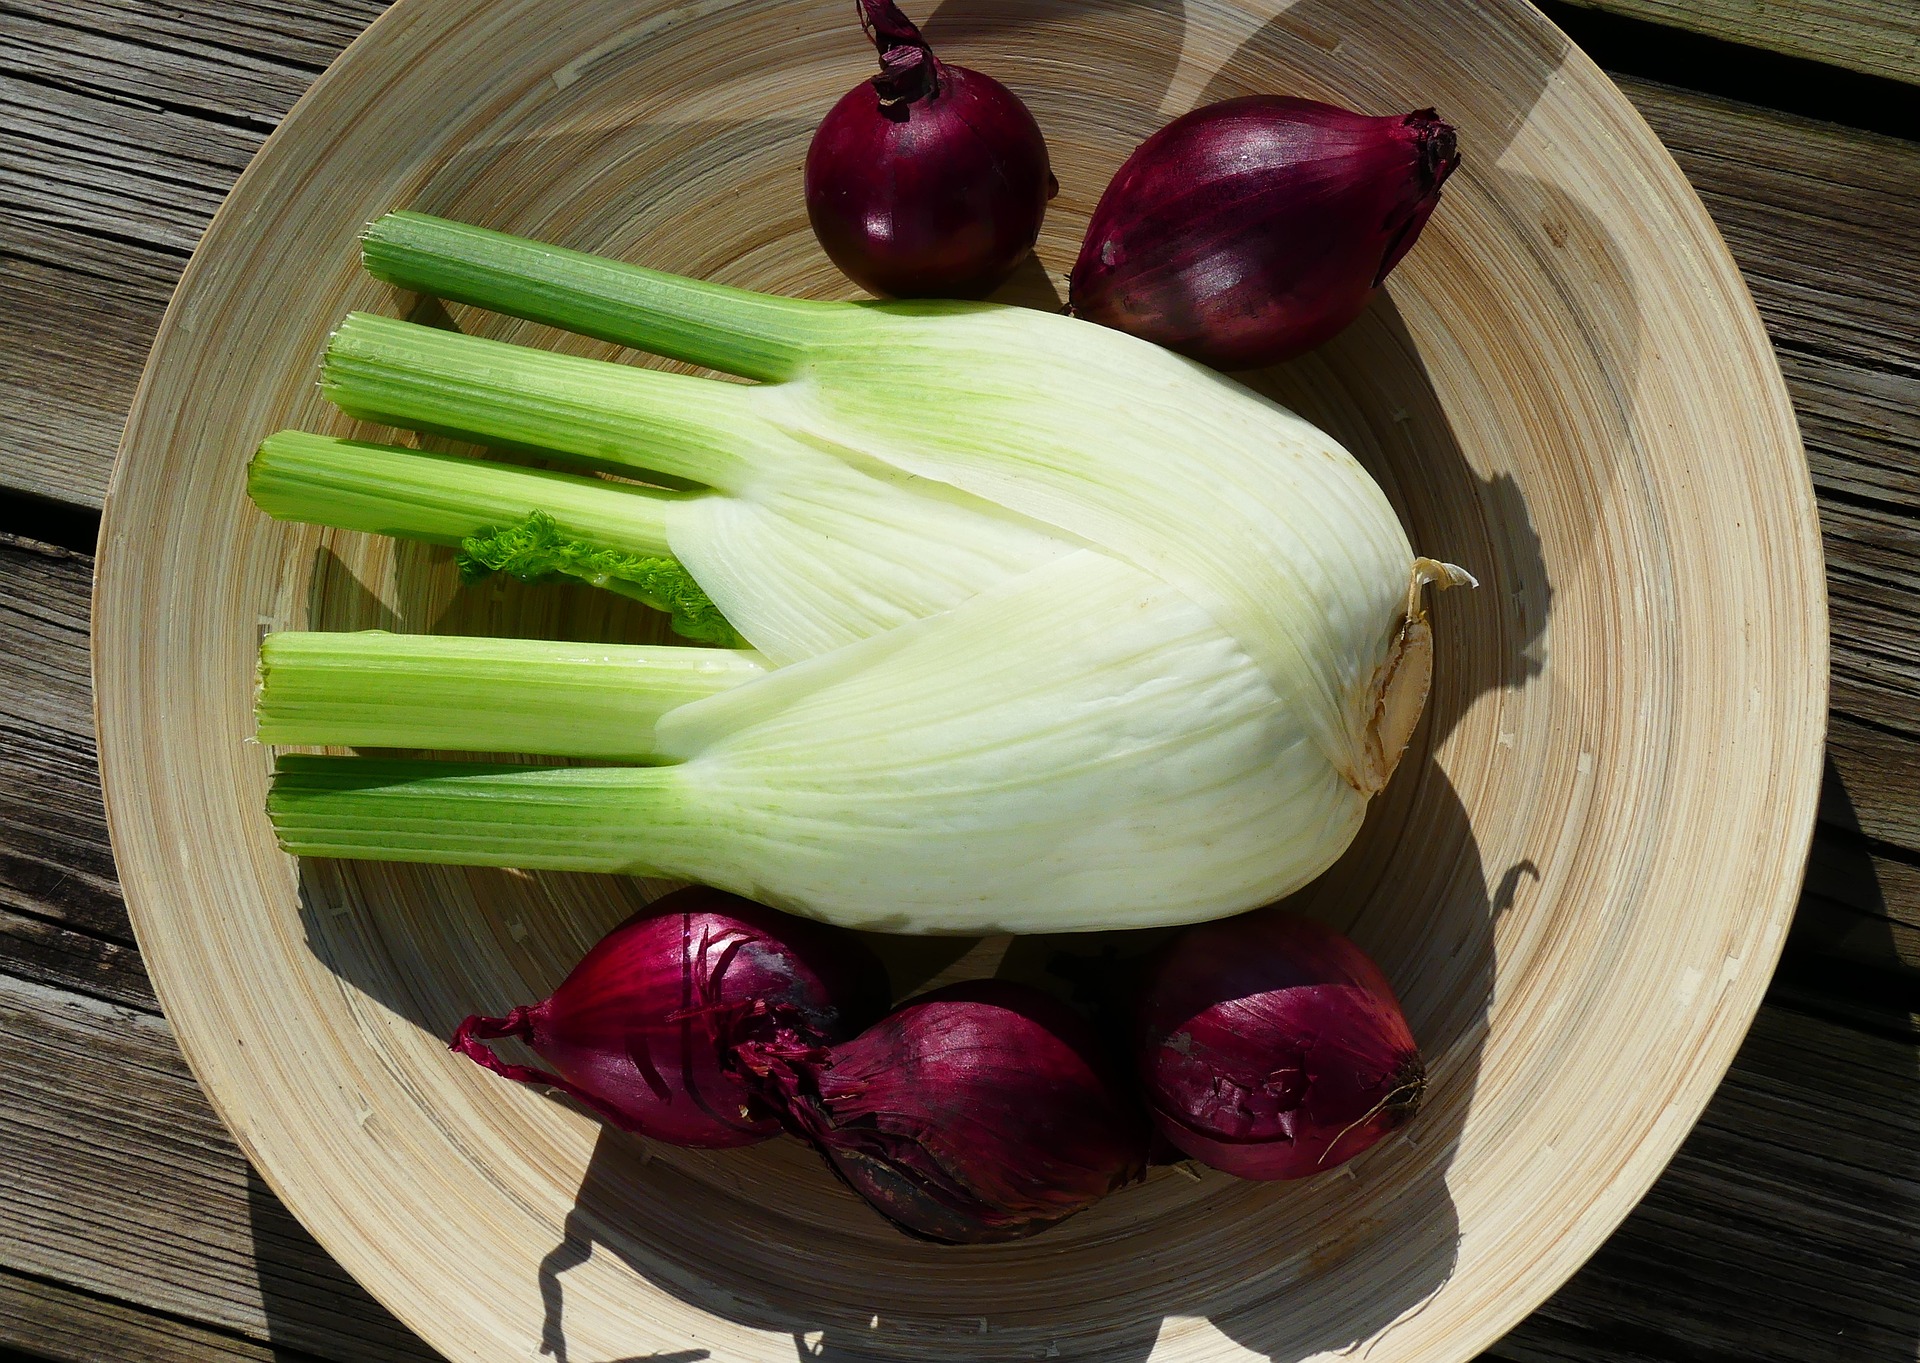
[1793, 1195]
[111, 1108]
[1879, 37]
[55, 864]
[58, 1322]
[123, 126]
[1645, 428]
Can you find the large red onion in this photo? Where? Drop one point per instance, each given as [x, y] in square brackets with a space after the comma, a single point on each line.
[642, 1030]
[930, 180]
[1252, 230]
[979, 1112]
[1271, 1047]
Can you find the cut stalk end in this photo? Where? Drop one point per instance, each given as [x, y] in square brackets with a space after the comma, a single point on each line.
[1401, 683]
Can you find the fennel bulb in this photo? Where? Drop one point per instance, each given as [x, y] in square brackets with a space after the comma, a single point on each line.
[1049, 629]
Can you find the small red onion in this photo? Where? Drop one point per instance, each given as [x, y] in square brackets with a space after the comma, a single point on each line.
[642, 1030]
[1271, 1047]
[930, 180]
[1252, 230]
[979, 1112]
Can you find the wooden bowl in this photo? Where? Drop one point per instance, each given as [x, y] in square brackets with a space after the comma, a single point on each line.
[1579, 880]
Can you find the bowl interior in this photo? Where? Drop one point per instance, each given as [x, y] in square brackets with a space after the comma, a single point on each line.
[1577, 880]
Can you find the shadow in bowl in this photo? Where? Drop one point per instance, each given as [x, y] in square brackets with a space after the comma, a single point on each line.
[1128, 77]
[1016, 1312]
[1370, 386]
[1414, 890]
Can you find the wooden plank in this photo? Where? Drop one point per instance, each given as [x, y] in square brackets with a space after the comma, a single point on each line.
[57, 1322]
[1861, 904]
[1878, 37]
[1817, 216]
[124, 125]
[1878, 769]
[111, 1109]
[155, 63]
[1853, 954]
[44, 615]
[1787, 1228]
[50, 953]
[55, 864]
[296, 33]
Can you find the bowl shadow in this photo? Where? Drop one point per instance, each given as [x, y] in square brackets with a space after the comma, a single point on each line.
[825, 1323]
[1412, 890]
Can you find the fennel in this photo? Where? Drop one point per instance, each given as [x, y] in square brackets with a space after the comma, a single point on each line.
[1050, 629]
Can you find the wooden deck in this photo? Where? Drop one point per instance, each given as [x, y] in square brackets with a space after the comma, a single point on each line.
[132, 1229]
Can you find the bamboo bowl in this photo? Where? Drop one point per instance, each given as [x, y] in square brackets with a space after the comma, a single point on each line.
[1579, 879]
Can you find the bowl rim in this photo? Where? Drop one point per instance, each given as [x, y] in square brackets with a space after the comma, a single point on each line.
[1638, 1172]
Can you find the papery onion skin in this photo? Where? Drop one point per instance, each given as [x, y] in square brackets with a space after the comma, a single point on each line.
[641, 1030]
[1252, 230]
[981, 1112]
[1271, 1047]
[929, 181]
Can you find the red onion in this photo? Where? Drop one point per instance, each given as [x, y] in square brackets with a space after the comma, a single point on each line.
[930, 180]
[1271, 1047]
[642, 1030]
[1254, 229]
[978, 1112]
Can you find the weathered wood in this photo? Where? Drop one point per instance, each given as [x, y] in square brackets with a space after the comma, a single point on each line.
[1881, 771]
[1861, 903]
[55, 864]
[136, 54]
[293, 33]
[1879, 37]
[1813, 214]
[123, 1183]
[49, 953]
[1794, 1207]
[60, 1323]
[43, 614]
[100, 1101]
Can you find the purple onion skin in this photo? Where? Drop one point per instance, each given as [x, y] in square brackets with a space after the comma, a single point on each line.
[1271, 1047]
[980, 1112]
[642, 1030]
[1252, 230]
[929, 181]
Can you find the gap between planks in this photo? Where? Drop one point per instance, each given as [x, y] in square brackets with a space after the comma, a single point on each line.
[1875, 37]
